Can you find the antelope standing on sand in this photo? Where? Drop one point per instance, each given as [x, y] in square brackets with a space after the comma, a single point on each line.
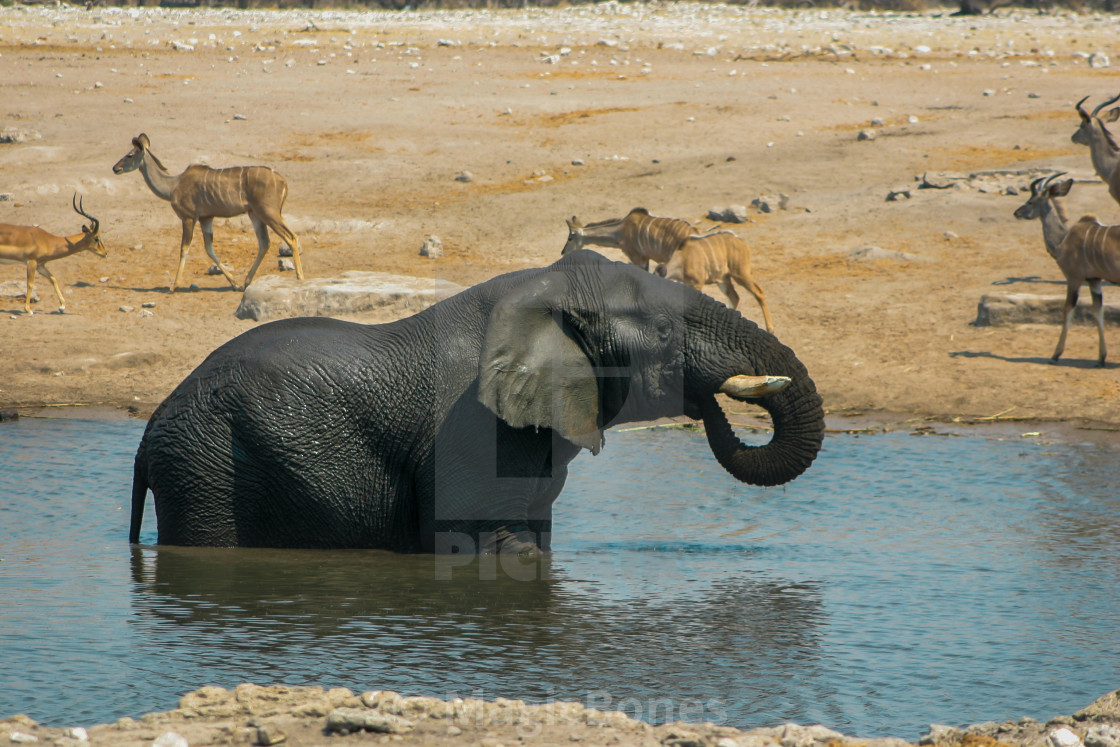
[201, 194]
[34, 247]
[1103, 148]
[682, 254]
[1086, 251]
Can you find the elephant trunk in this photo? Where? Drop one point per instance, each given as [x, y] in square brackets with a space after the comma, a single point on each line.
[796, 411]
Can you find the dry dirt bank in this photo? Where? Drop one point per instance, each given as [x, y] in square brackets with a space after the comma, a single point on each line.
[587, 111]
[250, 714]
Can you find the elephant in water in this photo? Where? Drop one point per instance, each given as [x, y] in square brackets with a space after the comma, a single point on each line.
[451, 430]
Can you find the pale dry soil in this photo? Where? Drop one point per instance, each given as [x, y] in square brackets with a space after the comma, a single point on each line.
[588, 112]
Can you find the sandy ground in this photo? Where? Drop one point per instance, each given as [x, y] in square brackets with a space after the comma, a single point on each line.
[586, 111]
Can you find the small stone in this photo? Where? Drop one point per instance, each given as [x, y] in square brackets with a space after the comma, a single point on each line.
[240, 117]
[896, 195]
[285, 250]
[432, 247]
[1063, 738]
[951, 235]
[1102, 735]
[6, 197]
[285, 264]
[454, 731]
[912, 119]
[575, 162]
[866, 135]
[269, 735]
[125, 309]
[1098, 60]
[215, 270]
[171, 739]
[359, 719]
[21, 737]
[145, 313]
[148, 304]
[127, 100]
[877, 122]
[464, 176]
[76, 732]
[103, 279]
[989, 92]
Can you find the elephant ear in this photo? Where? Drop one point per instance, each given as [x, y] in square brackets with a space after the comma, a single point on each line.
[533, 371]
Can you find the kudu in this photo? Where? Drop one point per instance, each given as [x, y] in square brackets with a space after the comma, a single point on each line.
[1085, 251]
[1103, 148]
[682, 253]
[34, 247]
[200, 194]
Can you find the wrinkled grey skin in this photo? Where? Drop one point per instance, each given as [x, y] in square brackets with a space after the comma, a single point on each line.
[451, 430]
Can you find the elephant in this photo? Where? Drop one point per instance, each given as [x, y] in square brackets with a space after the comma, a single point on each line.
[451, 431]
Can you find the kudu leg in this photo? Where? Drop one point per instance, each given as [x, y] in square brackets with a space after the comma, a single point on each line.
[1098, 311]
[1071, 305]
[207, 226]
[276, 223]
[759, 295]
[188, 234]
[261, 230]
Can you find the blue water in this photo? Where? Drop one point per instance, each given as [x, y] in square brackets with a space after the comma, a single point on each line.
[901, 581]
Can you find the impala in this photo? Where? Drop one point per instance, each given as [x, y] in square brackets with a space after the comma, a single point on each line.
[200, 194]
[34, 247]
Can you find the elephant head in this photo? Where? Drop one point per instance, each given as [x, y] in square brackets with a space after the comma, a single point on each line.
[590, 343]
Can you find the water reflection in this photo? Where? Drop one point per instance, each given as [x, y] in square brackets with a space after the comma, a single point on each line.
[384, 620]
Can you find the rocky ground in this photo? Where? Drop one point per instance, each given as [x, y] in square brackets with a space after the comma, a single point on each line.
[488, 129]
[250, 714]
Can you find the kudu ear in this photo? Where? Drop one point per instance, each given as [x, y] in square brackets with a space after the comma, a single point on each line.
[573, 224]
[141, 141]
[1113, 115]
[1061, 189]
[533, 371]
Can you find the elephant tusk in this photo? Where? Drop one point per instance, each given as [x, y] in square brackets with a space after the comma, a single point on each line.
[752, 387]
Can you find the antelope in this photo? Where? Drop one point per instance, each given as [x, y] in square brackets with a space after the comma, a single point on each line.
[200, 194]
[682, 254]
[34, 247]
[1103, 148]
[1084, 251]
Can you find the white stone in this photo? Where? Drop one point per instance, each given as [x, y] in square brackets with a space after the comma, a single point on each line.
[1064, 738]
[353, 292]
[432, 247]
[171, 739]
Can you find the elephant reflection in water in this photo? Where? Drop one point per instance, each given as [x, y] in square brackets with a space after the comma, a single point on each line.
[451, 430]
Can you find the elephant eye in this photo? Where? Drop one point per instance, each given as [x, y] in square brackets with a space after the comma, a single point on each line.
[664, 328]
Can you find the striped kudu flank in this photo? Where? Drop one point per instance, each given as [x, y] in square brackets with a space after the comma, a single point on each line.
[680, 252]
[200, 194]
[1085, 251]
[1103, 148]
[34, 247]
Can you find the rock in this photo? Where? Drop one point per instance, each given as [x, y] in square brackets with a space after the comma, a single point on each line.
[432, 247]
[1098, 60]
[125, 309]
[76, 732]
[1064, 738]
[1102, 735]
[285, 251]
[145, 313]
[270, 735]
[866, 135]
[215, 270]
[895, 195]
[464, 176]
[354, 292]
[877, 122]
[22, 737]
[950, 235]
[285, 264]
[941, 734]
[876, 254]
[1106, 707]
[8, 415]
[6, 197]
[996, 310]
[731, 214]
[348, 720]
[170, 739]
[17, 289]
